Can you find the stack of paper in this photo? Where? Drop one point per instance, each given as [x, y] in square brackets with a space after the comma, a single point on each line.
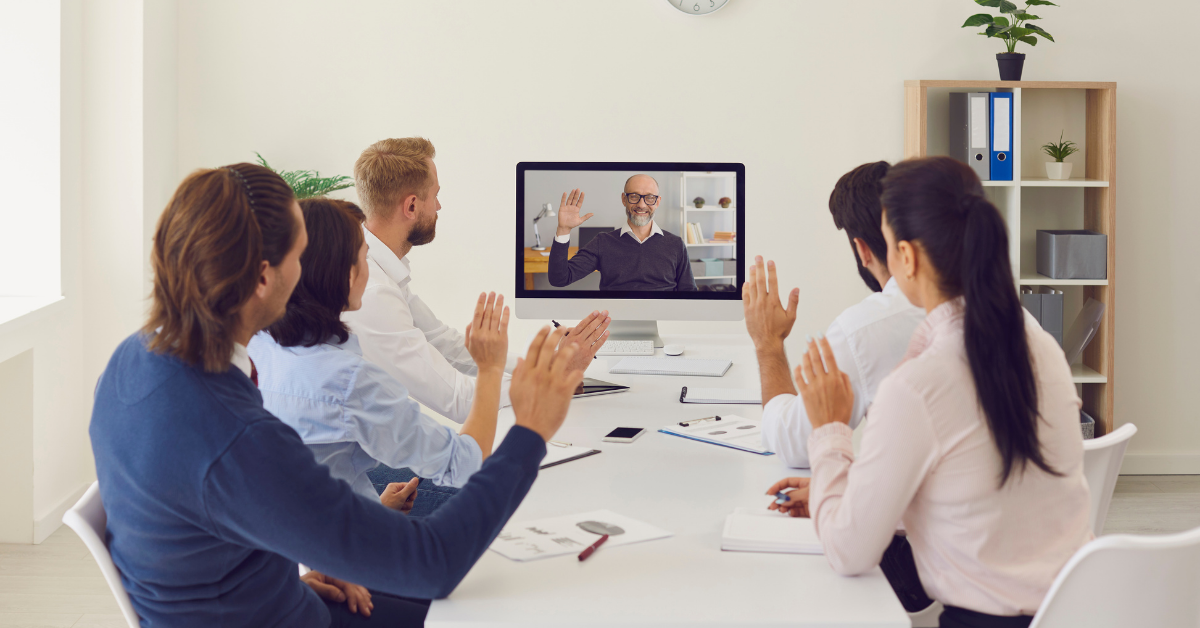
[762, 530]
[531, 540]
[727, 431]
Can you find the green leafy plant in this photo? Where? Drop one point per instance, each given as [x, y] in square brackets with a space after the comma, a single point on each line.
[1014, 28]
[309, 183]
[1060, 150]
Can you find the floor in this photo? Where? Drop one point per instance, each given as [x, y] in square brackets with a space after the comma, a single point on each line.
[57, 584]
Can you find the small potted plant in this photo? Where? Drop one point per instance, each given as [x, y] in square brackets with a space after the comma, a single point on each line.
[1058, 169]
[724, 202]
[1017, 27]
[698, 201]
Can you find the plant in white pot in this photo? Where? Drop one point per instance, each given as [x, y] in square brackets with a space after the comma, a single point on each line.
[1058, 169]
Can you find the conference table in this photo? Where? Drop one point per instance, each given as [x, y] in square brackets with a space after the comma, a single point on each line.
[683, 486]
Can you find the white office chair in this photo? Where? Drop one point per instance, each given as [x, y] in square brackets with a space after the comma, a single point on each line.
[87, 519]
[1101, 464]
[1124, 580]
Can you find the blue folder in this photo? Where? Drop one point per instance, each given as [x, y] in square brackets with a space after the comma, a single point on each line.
[1000, 138]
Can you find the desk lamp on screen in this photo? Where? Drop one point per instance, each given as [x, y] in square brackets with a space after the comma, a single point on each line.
[647, 241]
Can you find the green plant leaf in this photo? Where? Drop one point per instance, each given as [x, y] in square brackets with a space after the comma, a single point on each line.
[1017, 32]
[1007, 7]
[1037, 30]
[992, 31]
[979, 19]
[1032, 41]
[1000, 21]
[1033, 3]
[1029, 16]
[988, 3]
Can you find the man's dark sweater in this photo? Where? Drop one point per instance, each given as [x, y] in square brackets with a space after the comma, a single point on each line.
[659, 263]
[212, 501]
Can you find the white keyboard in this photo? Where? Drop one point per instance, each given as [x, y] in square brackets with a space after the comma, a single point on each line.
[627, 347]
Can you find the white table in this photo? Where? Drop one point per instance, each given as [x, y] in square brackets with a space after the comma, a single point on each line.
[676, 484]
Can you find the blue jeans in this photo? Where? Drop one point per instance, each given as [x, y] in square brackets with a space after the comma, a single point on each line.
[429, 495]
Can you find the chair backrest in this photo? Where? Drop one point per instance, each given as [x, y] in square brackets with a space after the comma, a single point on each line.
[1101, 464]
[88, 520]
[1123, 580]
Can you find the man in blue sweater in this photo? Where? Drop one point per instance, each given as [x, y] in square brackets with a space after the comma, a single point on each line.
[640, 256]
[212, 501]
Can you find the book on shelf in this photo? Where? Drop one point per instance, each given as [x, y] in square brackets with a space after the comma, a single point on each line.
[724, 236]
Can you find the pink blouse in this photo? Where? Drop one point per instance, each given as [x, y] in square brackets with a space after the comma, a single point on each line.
[928, 460]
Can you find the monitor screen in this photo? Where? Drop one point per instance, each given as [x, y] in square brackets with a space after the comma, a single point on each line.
[630, 230]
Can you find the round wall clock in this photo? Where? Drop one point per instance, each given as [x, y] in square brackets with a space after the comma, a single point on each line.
[698, 7]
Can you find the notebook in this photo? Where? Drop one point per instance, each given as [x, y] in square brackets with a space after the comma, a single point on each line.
[671, 366]
[693, 394]
[556, 454]
[762, 530]
[727, 431]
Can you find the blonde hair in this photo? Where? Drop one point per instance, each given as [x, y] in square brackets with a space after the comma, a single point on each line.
[391, 169]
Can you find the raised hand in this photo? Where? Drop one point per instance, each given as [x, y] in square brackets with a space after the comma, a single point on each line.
[487, 335]
[588, 336]
[825, 390]
[766, 320]
[543, 382]
[797, 498]
[568, 212]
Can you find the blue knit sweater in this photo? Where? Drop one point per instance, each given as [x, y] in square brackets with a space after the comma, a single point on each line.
[212, 501]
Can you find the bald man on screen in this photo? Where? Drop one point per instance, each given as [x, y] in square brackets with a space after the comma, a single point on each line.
[640, 256]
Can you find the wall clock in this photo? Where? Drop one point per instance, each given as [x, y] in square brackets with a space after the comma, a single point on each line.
[698, 7]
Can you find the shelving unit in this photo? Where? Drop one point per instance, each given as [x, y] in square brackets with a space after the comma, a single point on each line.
[1087, 113]
[712, 217]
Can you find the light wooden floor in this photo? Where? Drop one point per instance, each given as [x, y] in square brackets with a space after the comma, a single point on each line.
[57, 584]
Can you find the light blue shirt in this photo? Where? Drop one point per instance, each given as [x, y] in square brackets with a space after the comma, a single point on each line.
[354, 416]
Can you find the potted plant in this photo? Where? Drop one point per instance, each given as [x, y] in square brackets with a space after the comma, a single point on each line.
[309, 183]
[698, 201]
[1017, 27]
[725, 202]
[1058, 169]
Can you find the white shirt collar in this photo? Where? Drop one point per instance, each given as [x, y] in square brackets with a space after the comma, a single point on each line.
[241, 358]
[396, 268]
[654, 228]
[891, 287]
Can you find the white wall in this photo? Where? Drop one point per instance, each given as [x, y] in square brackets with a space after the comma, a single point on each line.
[799, 91]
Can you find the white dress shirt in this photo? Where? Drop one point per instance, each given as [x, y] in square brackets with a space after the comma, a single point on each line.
[868, 340]
[401, 335]
[353, 415]
[625, 229]
[929, 459]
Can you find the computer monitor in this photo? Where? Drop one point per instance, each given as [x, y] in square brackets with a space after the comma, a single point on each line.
[689, 266]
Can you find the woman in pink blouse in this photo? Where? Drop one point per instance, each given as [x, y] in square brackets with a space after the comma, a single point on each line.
[973, 442]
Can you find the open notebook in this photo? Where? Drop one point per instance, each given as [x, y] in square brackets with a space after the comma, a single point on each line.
[762, 530]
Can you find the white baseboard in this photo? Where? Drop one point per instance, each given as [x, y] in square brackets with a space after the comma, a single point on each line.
[47, 524]
[1161, 464]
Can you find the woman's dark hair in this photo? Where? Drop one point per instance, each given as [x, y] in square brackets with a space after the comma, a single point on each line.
[209, 245]
[939, 203]
[855, 206]
[314, 312]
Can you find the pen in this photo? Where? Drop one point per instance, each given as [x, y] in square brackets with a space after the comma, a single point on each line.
[781, 498]
[558, 443]
[557, 325]
[592, 548]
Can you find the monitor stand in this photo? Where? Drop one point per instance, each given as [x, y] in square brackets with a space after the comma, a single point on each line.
[635, 330]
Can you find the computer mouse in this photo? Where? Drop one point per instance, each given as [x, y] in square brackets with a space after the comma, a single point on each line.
[673, 349]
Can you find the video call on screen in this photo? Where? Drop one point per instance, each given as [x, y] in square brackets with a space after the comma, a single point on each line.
[689, 220]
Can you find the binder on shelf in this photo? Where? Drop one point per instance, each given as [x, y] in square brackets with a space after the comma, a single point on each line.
[1001, 136]
[969, 131]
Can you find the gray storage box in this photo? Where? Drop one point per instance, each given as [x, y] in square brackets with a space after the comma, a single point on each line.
[698, 268]
[1073, 254]
[730, 267]
[1087, 425]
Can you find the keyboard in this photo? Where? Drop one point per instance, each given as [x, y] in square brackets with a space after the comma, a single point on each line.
[627, 347]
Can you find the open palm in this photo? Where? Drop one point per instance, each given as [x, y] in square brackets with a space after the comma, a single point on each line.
[568, 212]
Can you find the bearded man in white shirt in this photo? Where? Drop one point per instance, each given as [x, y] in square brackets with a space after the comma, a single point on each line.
[868, 338]
[397, 185]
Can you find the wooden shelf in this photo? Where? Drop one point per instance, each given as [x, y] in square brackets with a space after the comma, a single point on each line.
[1034, 279]
[1013, 84]
[1043, 182]
[1081, 374]
[1088, 112]
[699, 277]
[709, 209]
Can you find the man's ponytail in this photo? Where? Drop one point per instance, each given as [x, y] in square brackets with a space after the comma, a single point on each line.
[939, 202]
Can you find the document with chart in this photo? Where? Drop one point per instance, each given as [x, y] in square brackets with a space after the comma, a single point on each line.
[570, 534]
[727, 430]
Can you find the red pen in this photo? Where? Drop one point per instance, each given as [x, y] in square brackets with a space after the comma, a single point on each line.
[592, 548]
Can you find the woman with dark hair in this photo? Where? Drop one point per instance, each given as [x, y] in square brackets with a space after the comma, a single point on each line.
[351, 413]
[973, 442]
